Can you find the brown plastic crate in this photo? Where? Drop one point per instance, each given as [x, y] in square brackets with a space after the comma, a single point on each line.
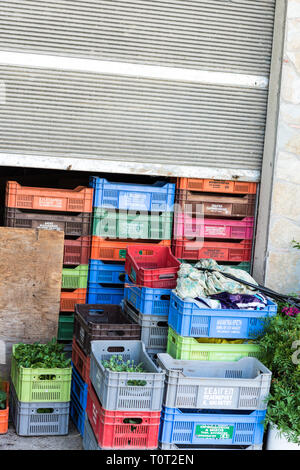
[102, 322]
[79, 199]
[68, 299]
[81, 361]
[77, 251]
[73, 225]
[112, 250]
[216, 186]
[220, 251]
[193, 202]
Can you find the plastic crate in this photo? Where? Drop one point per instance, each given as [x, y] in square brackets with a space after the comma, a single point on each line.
[79, 199]
[188, 319]
[68, 299]
[230, 385]
[39, 418]
[77, 414]
[216, 428]
[77, 225]
[197, 447]
[113, 429]
[244, 266]
[148, 301]
[114, 389]
[65, 327]
[79, 388]
[219, 251]
[216, 205]
[154, 333]
[216, 186]
[152, 266]
[103, 294]
[81, 361]
[112, 250]
[111, 224]
[4, 413]
[32, 385]
[157, 197]
[185, 348]
[106, 272]
[102, 322]
[77, 251]
[192, 227]
[75, 278]
[89, 441]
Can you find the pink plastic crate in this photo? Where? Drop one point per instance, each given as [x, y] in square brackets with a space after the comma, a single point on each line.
[200, 227]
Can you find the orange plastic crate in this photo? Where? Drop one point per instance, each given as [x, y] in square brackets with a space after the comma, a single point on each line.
[4, 413]
[111, 250]
[68, 299]
[219, 251]
[216, 186]
[79, 199]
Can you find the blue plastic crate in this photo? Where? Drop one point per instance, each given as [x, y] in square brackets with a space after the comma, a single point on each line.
[146, 300]
[77, 414]
[188, 319]
[106, 272]
[79, 388]
[194, 426]
[101, 294]
[157, 197]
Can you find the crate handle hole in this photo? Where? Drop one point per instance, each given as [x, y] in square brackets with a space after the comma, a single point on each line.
[45, 410]
[167, 276]
[115, 349]
[162, 324]
[165, 297]
[122, 277]
[47, 377]
[136, 383]
[116, 333]
[132, 420]
[96, 312]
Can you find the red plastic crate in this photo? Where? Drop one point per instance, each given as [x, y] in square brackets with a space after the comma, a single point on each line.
[112, 430]
[200, 227]
[68, 299]
[219, 251]
[81, 361]
[77, 251]
[111, 250]
[79, 199]
[216, 186]
[152, 266]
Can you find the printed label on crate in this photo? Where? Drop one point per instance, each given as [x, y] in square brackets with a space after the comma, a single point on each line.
[133, 200]
[228, 325]
[211, 231]
[217, 396]
[50, 202]
[218, 208]
[49, 226]
[122, 254]
[214, 431]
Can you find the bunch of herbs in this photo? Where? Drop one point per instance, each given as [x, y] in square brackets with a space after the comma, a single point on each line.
[43, 356]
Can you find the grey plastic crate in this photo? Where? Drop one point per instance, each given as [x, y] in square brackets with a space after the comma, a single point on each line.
[239, 385]
[89, 441]
[29, 422]
[200, 447]
[114, 389]
[154, 332]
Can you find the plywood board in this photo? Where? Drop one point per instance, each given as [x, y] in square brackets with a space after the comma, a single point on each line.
[30, 285]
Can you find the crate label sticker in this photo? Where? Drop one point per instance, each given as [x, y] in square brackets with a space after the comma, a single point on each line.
[210, 230]
[49, 226]
[217, 397]
[122, 254]
[218, 208]
[127, 200]
[214, 431]
[228, 325]
[50, 202]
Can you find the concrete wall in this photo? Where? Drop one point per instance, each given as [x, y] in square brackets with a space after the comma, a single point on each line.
[283, 261]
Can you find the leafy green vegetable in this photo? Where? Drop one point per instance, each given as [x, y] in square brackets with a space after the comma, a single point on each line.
[3, 398]
[117, 364]
[43, 356]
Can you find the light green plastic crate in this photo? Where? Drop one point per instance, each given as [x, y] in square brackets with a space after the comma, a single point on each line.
[65, 327]
[125, 225]
[75, 278]
[32, 385]
[186, 348]
[245, 266]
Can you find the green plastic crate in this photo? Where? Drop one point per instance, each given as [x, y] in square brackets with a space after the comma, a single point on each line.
[186, 348]
[75, 278]
[65, 327]
[125, 225]
[245, 266]
[30, 385]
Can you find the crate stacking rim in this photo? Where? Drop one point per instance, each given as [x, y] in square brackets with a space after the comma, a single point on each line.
[226, 385]
[181, 426]
[116, 390]
[146, 300]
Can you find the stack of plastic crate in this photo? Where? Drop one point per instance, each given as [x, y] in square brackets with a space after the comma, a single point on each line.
[124, 214]
[214, 219]
[94, 322]
[213, 405]
[39, 399]
[65, 210]
[151, 272]
[123, 408]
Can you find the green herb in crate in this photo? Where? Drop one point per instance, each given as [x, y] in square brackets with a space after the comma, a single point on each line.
[117, 364]
[3, 398]
[41, 356]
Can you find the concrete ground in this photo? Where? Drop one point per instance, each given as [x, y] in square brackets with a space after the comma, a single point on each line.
[11, 441]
